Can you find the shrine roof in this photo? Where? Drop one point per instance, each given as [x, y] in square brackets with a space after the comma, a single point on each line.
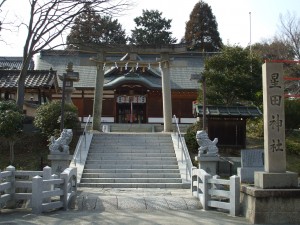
[181, 67]
[228, 111]
[34, 78]
[13, 63]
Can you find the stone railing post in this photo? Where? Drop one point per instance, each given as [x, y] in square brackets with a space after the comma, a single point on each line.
[206, 187]
[234, 195]
[64, 187]
[47, 172]
[12, 190]
[193, 179]
[37, 194]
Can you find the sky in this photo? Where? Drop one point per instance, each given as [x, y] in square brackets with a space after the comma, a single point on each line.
[239, 21]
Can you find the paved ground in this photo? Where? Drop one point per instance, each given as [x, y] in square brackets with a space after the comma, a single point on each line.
[134, 199]
[126, 206]
[172, 217]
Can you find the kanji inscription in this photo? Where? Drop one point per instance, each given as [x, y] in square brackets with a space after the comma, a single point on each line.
[273, 95]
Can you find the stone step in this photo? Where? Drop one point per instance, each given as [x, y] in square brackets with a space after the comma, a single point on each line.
[138, 166]
[130, 135]
[131, 175]
[131, 161]
[136, 145]
[131, 180]
[172, 161]
[131, 171]
[139, 138]
[130, 150]
[136, 185]
[121, 154]
[105, 136]
[129, 157]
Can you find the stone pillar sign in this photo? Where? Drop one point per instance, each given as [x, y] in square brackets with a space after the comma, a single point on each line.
[275, 175]
[274, 123]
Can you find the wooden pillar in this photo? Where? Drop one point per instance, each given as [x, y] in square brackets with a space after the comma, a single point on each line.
[98, 96]
[166, 92]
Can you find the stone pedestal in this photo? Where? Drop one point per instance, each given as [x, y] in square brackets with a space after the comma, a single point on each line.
[275, 197]
[247, 173]
[267, 180]
[208, 163]
[270, 206]
[59, 162]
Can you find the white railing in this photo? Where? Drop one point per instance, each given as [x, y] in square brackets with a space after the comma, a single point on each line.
[185, 155]
[78, 154]
[215, 192]
[46, 191]
[7, 187]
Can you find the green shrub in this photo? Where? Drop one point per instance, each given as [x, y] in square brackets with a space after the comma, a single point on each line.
[47, 118]
[255, 127]
[190, 138]
[292, 114]
[292, 142]
[11, 124]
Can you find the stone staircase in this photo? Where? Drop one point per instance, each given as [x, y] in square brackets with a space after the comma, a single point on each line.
[131, 160]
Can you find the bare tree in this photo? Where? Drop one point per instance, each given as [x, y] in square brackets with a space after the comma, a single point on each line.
[1, 4]
[48, 20]
[290, 32]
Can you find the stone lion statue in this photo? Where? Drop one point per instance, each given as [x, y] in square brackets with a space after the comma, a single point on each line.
[61, 144]
[207, 147]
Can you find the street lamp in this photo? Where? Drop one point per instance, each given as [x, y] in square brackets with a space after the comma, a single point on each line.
[199, 77]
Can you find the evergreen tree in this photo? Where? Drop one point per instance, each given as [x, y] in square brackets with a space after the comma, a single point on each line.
[11, 124]
[152, 29]
[201, 32]
[91, 29]
[233, 77]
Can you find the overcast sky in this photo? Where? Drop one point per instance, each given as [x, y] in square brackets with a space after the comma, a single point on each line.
[232, 17]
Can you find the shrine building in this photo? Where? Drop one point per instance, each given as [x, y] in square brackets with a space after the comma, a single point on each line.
[133, 82]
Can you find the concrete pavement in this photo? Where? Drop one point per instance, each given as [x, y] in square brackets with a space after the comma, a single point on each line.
[164, 217]
[126, 206]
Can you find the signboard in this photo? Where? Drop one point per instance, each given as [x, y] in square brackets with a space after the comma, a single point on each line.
[131, 99]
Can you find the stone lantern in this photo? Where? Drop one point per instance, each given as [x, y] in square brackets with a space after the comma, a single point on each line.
[68, 79]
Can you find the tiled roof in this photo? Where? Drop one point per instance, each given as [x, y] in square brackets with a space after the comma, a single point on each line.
[229, 111]
[13, 63]
[181, 68]
[144, 78]
[34, 78]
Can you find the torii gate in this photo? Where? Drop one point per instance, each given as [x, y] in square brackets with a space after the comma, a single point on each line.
[164, 63]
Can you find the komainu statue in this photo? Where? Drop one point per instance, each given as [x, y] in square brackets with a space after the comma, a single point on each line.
[207, 147]
[61, 144]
